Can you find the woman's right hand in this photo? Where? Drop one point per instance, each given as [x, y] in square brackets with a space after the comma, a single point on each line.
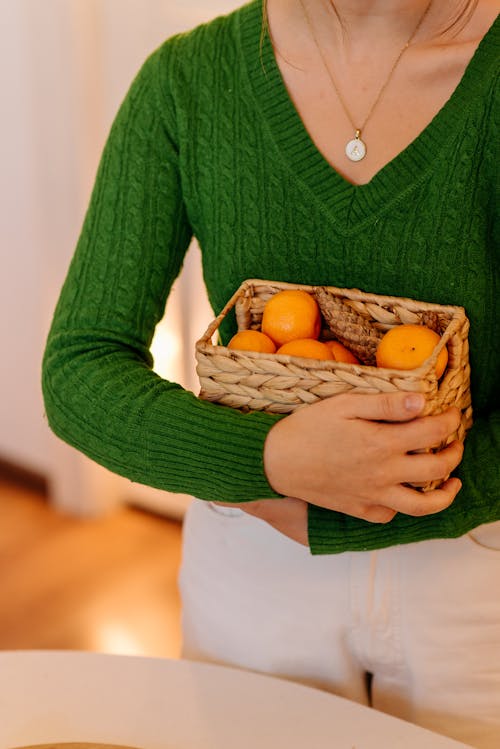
[353, 453]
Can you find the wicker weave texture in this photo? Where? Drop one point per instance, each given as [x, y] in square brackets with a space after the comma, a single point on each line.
[281, 383]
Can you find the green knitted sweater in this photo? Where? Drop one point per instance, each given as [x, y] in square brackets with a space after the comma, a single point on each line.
[208, 143]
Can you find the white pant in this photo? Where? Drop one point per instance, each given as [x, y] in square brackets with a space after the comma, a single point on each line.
[423, 619]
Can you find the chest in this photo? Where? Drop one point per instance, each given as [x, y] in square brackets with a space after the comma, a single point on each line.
[390, 113]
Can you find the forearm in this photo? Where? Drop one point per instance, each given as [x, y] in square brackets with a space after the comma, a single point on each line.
[105, 401]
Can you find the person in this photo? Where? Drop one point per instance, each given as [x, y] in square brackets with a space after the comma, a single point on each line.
[350, 144]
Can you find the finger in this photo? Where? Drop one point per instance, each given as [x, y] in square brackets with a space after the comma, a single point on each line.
[429, 431]
[397, 406]
[417, 504]
[288, 515]
[424, 467]
[378, 514]
[238, 505]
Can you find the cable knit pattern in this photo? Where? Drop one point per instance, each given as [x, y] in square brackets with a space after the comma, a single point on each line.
[208, 143]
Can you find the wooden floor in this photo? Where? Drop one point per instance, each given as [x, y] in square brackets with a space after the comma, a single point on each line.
[106, 585]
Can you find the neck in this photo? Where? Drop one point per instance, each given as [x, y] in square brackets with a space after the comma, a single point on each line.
[383, 20]
[373, 10]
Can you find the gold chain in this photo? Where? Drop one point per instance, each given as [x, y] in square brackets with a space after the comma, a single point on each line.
[358, 130]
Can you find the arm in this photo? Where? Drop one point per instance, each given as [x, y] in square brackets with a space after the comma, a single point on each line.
[100, 392]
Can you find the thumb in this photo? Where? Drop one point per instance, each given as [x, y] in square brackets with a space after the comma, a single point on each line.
[398, 406]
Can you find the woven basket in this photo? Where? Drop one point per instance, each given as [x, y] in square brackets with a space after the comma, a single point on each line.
[280, 383]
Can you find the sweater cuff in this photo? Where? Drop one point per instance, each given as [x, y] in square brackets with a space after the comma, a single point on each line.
[333, 532]
[250, 480]
[228, 464]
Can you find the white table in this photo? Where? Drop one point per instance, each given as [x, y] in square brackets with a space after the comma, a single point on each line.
[58, 696]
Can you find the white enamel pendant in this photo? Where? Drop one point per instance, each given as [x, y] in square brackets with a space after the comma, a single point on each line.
[355, 149]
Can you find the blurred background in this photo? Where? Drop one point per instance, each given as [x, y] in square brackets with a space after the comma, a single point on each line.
[87, 559]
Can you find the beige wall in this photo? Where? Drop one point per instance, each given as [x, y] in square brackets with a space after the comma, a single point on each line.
[65, 67]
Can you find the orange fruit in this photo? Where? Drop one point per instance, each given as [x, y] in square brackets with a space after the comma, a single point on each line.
[310, 348]
[341, 353]
[408, 346]
[252, 340]
[291, 314]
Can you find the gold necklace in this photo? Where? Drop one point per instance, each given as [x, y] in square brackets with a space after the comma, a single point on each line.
[356, 148]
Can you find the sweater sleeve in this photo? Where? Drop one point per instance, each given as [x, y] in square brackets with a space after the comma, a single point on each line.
[100, 392]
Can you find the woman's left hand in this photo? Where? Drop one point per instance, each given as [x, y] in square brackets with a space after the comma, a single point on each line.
[287, 515]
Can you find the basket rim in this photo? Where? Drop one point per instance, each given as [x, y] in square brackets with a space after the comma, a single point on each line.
[355, 294]
[352, 294]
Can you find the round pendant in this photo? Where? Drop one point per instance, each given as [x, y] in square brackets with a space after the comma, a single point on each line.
[355, 149]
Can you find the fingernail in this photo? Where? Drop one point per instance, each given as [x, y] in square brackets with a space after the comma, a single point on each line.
[414, 402]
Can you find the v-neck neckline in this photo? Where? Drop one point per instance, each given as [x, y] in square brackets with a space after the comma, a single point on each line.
[351, 206]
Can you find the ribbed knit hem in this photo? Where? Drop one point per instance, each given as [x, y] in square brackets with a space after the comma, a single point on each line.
[333, 533]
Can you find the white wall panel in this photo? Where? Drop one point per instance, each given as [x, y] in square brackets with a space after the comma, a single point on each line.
[65, 67]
